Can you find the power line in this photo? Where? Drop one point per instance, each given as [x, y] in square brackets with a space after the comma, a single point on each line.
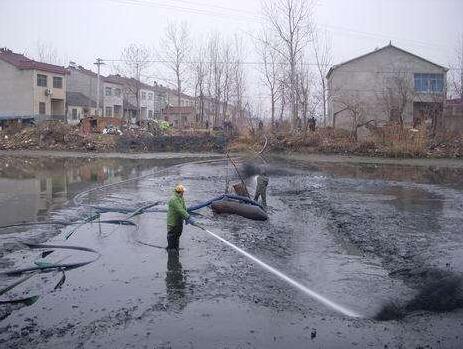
[277, 63]
[243, 15]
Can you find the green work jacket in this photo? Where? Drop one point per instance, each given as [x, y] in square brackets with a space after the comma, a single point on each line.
[177, 212]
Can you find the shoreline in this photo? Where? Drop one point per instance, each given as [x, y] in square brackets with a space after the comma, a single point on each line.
[105, 155]
[366, 160]
[293, 156]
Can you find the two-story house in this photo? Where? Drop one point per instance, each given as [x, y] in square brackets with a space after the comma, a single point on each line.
[387, 84]
[31, 89]
[160, 99]
[85, 82]
[140, 99]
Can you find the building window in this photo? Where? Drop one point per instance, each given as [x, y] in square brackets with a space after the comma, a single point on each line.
[150, 114]
[117, 110]
[143, 95]
[150, 96]
[108, 91]
[117, 92]
[42, 80]
[109, 111]
[42, 109]
[74, 114]
[429, 82]
[57, 82]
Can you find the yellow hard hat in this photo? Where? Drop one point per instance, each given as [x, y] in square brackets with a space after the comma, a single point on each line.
[180, 188]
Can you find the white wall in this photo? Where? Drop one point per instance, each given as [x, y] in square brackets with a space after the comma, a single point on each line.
[364, 80]
[57, 93]
[16, 91]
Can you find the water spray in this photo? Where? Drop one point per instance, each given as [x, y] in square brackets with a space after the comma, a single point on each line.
[309, 292]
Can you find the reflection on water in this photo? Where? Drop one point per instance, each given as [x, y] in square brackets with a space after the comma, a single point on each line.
[32, 187]
[175, 281]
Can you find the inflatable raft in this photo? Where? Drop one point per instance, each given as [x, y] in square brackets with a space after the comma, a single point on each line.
[242, 209]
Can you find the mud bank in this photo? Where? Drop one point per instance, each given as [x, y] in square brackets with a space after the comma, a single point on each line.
[362, 241]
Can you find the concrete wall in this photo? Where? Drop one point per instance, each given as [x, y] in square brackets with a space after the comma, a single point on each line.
[80, 114]
[83, 83]
[146, 104]
[160, 101]
[364, 80]
[16, 91]
[87, 85]
[172, 100]
[58, 95]
[113, 100]
[453, 118]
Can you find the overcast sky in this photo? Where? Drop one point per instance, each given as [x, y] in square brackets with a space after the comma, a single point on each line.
[82, 30]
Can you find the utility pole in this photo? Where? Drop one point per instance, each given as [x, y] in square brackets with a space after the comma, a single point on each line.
[138, 90]
[461, 68]
[98, 63]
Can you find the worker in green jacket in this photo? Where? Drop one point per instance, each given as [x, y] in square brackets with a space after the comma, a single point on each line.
[176, 214]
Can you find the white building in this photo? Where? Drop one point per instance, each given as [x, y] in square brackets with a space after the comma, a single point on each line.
[31, 89]
[141, 101]
[85, 82]
[388, 84]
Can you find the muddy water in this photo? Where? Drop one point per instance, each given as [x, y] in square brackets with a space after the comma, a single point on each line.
[361, 236]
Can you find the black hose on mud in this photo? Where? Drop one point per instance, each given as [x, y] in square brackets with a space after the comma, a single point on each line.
[44, 268]
[78, 201]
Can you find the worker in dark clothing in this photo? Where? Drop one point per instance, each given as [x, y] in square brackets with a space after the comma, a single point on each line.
[261, 189]
[176, 214]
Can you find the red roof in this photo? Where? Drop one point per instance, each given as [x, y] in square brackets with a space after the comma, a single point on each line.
[118, 79]
[91, 73]
[82, 70]
[22, 62]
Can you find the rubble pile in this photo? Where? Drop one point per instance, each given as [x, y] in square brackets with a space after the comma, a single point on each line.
[171, 143]
[60, 136]
[452, 147]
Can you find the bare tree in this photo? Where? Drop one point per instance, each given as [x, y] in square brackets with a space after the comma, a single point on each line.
[47, 53]
[282, 92]
[200, 79]
[216, 75]
[227, 61]
[305, 97]
[176, 49]
[352, 106]
[291, 21]
[239, 83]
[270, 69]
[456, 75]
[136, 59]
[321, 45]
[397, 93]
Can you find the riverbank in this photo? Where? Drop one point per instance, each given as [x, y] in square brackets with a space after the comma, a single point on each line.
[389, 142]
[56, 136]
[290, 156]
[386, 142]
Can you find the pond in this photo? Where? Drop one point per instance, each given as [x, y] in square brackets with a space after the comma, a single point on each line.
[371, 238]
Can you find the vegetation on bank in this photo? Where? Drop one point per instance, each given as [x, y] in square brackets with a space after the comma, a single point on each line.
[389, 141]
